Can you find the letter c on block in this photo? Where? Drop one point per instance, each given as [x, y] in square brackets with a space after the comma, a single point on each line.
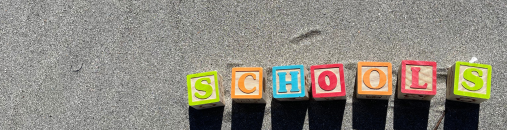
[382, 78]
[332, 80]
[241, 83]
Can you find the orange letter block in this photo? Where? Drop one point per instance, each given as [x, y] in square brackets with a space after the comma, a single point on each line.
[247, 85]
[374, 80]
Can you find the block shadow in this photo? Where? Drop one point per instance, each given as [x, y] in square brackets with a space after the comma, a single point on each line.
[288, 115]
[410, 114]
[210, 119]
[246, 116]
[326, 115]
[461, 116]
[368, 114]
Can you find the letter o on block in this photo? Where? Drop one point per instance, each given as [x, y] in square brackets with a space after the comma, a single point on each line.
[381, 78]
[332, 80]
[328, 82]
[374, 80]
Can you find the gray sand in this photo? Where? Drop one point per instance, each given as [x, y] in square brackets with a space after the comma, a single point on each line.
[122, 64]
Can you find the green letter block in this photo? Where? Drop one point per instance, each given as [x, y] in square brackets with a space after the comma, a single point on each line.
[469, 82]
[205, 90]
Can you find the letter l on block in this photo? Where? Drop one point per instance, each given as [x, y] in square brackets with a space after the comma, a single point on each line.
[415, 79]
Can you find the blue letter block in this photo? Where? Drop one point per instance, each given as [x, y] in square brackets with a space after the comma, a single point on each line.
[292, 78]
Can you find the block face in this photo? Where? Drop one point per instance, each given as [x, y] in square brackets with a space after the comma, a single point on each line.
[289, 81]
[203, 89]
[328, 81]
[472, 80]
[247, 85]
[374, 80]
[418, 80]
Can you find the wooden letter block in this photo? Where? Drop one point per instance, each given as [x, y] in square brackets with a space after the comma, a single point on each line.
[418, 80]
[328, 82]
[469, 82]
[374, 80]
[289, 83]
[205, 90]
[247, 85]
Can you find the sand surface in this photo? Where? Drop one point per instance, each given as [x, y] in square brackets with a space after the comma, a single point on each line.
[123, 64]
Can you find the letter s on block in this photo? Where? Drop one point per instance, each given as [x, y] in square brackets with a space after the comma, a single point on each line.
[203, 87]
[477, 80]
[241, 83]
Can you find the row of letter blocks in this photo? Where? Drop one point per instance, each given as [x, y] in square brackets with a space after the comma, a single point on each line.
[467, 82]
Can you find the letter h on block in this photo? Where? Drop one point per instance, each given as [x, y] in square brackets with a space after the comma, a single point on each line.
[418, 80]
[374, 80]
[328, 82]
[289, 83]
[205, 90]
[247, 85]
[469, 82]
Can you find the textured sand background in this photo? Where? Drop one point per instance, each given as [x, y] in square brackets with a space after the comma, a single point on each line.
[122, 64]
